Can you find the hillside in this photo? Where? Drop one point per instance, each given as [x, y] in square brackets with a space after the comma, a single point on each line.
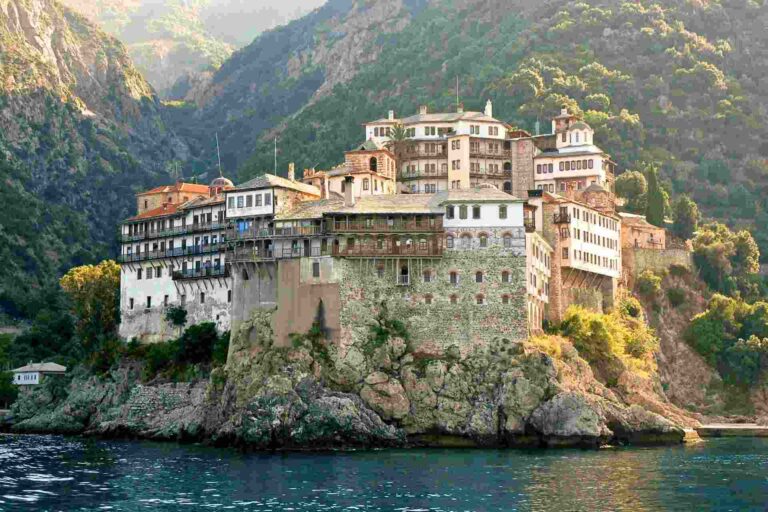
[171, 39]
[673, 81]
[80, 132]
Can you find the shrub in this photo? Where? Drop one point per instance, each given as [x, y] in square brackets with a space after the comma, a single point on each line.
[159, 357]
[176, 316]
[631, 307]
[678, 270]
[196, 344]
[221, 350]
[648, 284]
[676, 296]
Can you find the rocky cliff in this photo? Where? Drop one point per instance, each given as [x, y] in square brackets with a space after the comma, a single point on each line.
[313, 396]
[80, 132]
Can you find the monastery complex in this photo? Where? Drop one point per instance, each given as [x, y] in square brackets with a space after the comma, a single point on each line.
[454, 223]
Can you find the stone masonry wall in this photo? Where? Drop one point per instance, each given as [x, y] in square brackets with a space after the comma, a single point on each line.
[636, 260]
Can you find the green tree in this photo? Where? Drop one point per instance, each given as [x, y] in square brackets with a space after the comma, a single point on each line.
[94, 294]
[687, 217]
[727, 261]
[633, 187]
[654, 212]
[399, 143]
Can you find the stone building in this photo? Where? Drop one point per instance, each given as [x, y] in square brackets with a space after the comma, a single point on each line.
[371, 164]
[174, 255]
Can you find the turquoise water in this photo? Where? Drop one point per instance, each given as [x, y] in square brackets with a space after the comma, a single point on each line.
[55, 473]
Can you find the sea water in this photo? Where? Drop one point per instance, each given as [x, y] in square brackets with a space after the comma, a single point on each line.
[58, 473]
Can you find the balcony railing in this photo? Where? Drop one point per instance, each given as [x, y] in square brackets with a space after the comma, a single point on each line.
[200, 273]
[403, 280]
[434, 225]
[416, 250]
[173, 253]
[502, 154]
[179, 230]
[562, 218]
[530, 225]
[265, 233]
[250, 255]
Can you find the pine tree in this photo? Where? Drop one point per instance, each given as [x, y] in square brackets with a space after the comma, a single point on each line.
[654, 212]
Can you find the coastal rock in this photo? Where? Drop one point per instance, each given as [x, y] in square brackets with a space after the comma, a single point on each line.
[386, 397]
[572, 419]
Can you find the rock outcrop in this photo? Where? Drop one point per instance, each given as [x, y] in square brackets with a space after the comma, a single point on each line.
[510, 394]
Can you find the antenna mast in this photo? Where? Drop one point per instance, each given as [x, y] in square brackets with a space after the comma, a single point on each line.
[457, 93]
[275, 172]
[218, 154]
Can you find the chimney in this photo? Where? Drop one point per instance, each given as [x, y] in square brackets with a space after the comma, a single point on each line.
[423, 110]
[460, 108]
[489, 108]
[349, 195]
[391, 116]
[292, 171]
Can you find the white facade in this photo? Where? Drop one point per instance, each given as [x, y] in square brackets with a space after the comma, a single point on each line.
[590, 240]
[469, 215]
[26, 378]
[250, 203]
[538, 272]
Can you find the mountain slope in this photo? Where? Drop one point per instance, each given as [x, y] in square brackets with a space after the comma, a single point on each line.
[170, 39]
[80, 132]
[673, 81]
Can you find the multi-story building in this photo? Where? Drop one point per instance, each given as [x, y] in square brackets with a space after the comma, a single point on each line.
[371, 164]
[457, 150]
[570, 161]
[538, 273]
[586, 250]
[174, 255]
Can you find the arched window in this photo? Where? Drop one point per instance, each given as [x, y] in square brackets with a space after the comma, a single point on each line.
[507, 166]
[505, 277]
[427, 276]
[427, 299]
[480, 299]
[478, 277]
[449, 242]
[508, 187]
[483, 240]
[507, 241]
[373, 164]
[454, 278]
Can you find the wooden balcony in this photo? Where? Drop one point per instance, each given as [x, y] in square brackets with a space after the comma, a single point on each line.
[174, 253]
[179, 230]
[502, 154]
[200, 273]
[432, 248]
[562, 218]
[269, 233]
[383, 225]
[530, 225]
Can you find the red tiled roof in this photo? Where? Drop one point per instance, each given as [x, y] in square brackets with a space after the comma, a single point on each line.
[161, 211]
[192, 188]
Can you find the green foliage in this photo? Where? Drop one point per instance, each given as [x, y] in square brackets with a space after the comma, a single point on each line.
[676, 296]
[648, 283]
[196, 344]
[733, 337]
[599, 337]
[687, 217]
[176, 316]
[654, 210]
[633, 187]
[727, 261]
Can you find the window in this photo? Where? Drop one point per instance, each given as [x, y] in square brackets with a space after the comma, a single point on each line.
[505, 277]
[454, 299]
[478, 277]
[455, 144]
[462, 212]
[565, 253]
[149, 273]
[483, 241]
[448, 243]
[507, 241]
[149, 302]
[551, 168]
[430, 188]
[248, 201]
[231, 202]
[267, 199]
[130, 302]
[538, 169]
[591, 164]
[202, 297]
[165, 301]
[380, 271]
[258, 199]
[480, 299]
[159, 272]
[427, 276]
[366, 184]
[427, 299]
[475, 212]
[505, 299]
[229, 296]
[138, 274]
[453, 277]
[373, 164]
[502, 212]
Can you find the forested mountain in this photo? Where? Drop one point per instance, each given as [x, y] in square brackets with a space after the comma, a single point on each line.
[80, 132]
[171, 39]
[678, 82]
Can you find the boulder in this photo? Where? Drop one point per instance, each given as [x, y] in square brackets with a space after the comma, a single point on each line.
[386, 398]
